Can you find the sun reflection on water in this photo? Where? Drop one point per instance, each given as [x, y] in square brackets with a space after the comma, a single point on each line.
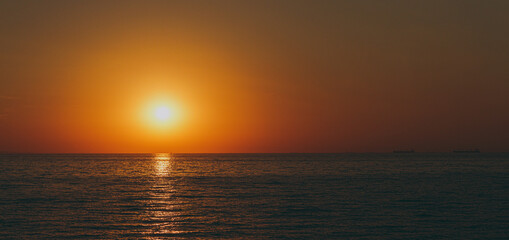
[163, 163]
[163, 210]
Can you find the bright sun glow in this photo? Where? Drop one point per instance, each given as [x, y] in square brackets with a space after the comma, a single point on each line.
[162, 113]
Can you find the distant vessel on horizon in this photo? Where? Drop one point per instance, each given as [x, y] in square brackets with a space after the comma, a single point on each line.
[404, 151]
[467, 151]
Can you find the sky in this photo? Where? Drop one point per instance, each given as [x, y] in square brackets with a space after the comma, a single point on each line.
[254, 76]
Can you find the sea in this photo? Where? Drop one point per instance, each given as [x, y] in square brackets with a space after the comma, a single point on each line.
[255, 196]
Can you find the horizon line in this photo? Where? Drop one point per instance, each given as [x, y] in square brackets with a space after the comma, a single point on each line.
[367, 152]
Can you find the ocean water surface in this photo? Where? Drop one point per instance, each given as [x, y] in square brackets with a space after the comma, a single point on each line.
[254, 196]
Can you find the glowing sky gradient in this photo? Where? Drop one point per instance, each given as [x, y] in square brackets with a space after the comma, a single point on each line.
[254, 76]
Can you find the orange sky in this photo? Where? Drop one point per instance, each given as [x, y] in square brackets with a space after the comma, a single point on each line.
[260, 76]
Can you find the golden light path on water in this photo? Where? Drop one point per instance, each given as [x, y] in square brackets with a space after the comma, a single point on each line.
[163, 163]
[162, 208]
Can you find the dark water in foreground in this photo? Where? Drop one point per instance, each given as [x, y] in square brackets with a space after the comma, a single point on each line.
[255, 196]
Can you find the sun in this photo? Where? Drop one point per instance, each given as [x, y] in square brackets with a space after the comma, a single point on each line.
[162, 113]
